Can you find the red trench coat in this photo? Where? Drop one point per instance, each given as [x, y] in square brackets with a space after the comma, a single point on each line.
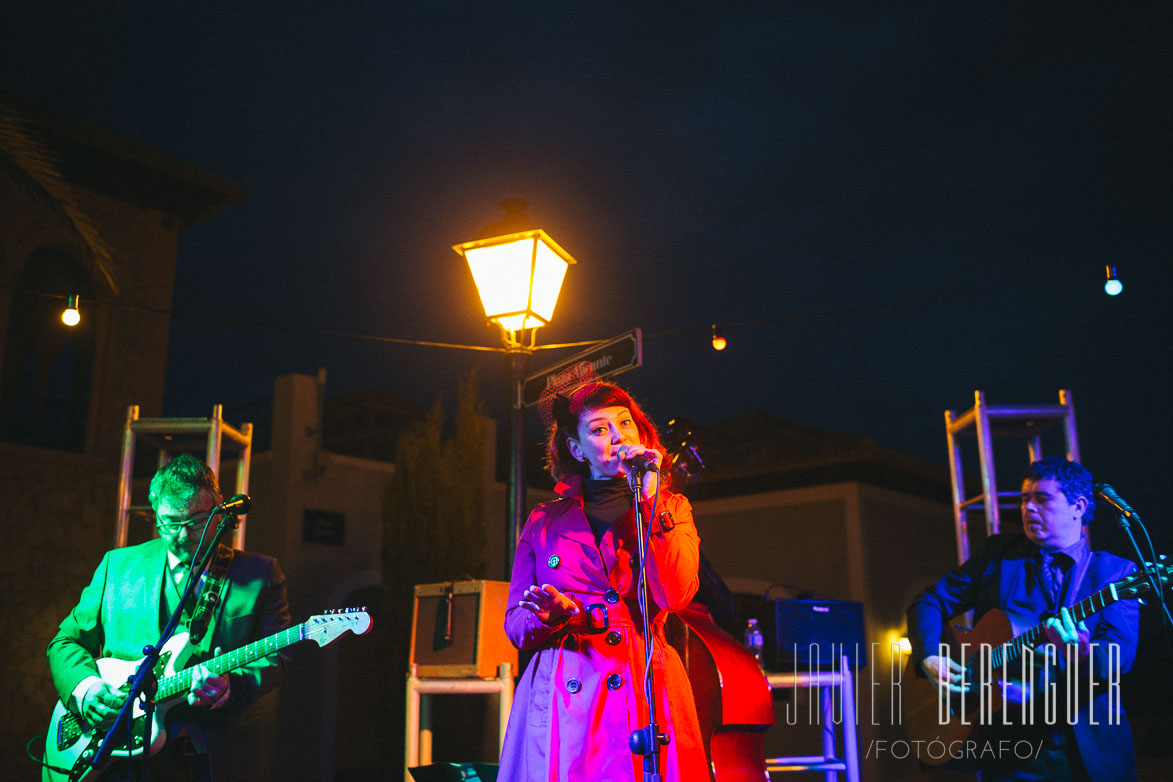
[582, 694]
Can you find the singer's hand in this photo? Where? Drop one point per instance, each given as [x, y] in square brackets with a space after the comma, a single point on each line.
[647, 460]
[548, 604]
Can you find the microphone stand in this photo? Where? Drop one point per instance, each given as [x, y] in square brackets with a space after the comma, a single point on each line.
[646, 741]
[1148, 568]
[145, 681]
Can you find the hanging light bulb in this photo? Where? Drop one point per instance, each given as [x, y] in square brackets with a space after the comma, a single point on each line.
[1113, 286]
[719, 341]
[70, 316]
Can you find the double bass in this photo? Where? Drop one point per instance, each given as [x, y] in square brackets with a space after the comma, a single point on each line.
[733, 700]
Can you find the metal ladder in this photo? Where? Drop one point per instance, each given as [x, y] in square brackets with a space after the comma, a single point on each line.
[985, 422]
[213, 436]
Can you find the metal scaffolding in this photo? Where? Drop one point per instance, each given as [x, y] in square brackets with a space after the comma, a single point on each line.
[985, 422]
[211, 436]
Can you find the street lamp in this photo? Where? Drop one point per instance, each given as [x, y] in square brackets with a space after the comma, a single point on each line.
[518, 272]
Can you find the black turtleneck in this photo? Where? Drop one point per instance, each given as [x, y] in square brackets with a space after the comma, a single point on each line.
[605, 501]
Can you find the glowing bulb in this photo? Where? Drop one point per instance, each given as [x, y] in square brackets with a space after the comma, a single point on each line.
[719, 341]
[1112, 286]
[71, 317]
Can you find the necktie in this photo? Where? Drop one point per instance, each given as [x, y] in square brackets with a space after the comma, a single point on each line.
[1052, 576]
[178, 575]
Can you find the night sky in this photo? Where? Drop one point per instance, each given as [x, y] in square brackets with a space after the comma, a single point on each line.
[888, 204]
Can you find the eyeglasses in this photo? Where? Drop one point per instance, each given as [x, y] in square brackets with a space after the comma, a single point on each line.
[174, 526]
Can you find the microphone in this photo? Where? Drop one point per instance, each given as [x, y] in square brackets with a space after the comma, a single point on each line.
[643, 461]
[1110, 497]
[239, 504]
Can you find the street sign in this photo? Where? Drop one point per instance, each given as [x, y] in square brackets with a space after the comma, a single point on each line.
[611, 358]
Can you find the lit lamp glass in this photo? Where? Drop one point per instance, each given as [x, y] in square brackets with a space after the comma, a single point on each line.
[70, 316]
[518, 277]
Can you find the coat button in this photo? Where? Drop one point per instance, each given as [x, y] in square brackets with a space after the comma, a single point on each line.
[613, 638]
[573, 686]
[571, 643]
[554, 560]
[614, 681]
[611, 596]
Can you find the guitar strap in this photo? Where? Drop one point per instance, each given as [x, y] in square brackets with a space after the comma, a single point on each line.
[211, 596]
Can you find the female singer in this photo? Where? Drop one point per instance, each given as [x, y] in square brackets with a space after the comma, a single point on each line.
[573, 599]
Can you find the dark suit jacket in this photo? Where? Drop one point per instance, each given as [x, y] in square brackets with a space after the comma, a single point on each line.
[119, 613]
[987, 580]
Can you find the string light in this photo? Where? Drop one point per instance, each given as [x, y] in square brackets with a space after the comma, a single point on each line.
[719, 341]
[1112, 286]
[71, 316]
[904, 301]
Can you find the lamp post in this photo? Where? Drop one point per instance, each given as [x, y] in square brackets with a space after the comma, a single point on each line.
[518, 273]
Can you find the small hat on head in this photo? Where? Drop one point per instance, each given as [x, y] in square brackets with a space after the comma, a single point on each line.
[565, 391]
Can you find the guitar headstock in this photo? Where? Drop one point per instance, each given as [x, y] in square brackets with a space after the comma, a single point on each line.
[325, 628]
[1138, 584]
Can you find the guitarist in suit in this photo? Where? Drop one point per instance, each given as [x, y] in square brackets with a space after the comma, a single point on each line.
[217, 732]
[1033, 577]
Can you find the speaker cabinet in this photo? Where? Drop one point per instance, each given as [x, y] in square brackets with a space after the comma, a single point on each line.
[815, 633]
[458, 629]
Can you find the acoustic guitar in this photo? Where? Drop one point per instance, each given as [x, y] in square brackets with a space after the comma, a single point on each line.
[72, 742]
[993, 660]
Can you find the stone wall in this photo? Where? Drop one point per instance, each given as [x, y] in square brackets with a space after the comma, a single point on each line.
[57, 524]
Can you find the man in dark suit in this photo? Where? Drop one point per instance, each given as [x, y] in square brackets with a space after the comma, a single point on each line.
[218, 731]
[1034, 577]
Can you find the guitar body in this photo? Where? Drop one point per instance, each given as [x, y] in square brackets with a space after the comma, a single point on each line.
[72, 743]
[926, 719]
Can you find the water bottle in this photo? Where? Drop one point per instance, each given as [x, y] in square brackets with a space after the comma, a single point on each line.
[753, 640]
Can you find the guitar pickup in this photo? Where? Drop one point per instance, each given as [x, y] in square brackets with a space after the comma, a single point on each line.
[68, 731]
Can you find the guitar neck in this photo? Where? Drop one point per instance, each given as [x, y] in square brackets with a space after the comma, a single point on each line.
[180, 682]
[1012, 650]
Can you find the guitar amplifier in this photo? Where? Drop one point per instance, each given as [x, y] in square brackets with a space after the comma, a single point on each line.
[458, 629]
[816, 633]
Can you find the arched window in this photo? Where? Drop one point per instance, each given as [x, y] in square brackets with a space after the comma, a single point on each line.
[48, 366]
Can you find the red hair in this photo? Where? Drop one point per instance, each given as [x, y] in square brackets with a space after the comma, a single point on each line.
[567, 414]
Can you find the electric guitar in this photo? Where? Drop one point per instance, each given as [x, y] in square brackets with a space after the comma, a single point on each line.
[992, 656]
[72, 742]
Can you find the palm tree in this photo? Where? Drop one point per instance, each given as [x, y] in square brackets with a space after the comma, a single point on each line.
[27, 159]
